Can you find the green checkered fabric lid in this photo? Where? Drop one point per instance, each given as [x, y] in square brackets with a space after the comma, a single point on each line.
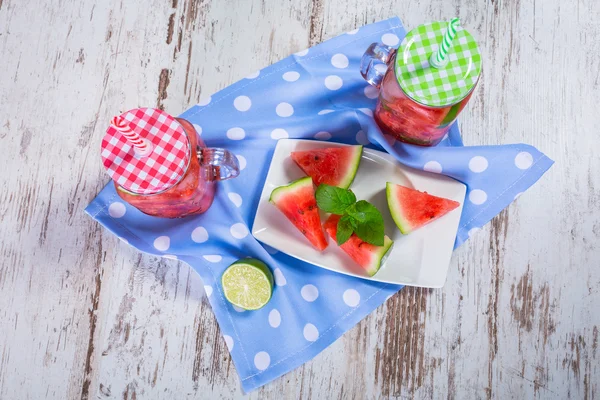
[437, 87]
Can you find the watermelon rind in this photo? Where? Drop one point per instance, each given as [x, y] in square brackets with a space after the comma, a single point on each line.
[380, 256]
[306, 181]
[349, 178]
[396, 210]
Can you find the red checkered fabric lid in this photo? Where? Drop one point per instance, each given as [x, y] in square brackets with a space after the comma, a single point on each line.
[158, 171]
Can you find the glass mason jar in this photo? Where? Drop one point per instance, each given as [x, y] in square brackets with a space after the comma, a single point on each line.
[195, 190]
[401, 109]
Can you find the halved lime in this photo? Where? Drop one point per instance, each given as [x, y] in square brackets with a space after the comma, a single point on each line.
[247, 283]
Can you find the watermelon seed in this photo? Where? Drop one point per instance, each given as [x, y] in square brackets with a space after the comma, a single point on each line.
[301, 212]
[316, 158]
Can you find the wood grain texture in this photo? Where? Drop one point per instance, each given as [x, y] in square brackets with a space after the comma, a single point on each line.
[83, 315]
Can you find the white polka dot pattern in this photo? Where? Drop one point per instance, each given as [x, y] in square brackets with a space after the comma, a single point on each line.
[242, 103]
[339, 61]
[524, 160]
[241, 161]
[310, 332]
[253, 75]
[162, 243]
[274, 318]
[284, 110]
[117, 209]
[291, 76]
[371, 92]
[478, 164]
[262, 360]
[279, 134]
[351, 297]
[478, 196]
[213, 258]
[333, 82]
[200, 235]
[361, 138]
[228, 342]
[309, 293]
[390, 39]
[204, 101]
[316, 95]
[433, 166]
[235, 198]
[236, 133]
[279, 277]
[323, 135]
[239, 230]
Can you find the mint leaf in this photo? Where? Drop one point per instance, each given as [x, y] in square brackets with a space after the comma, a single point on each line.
[359, 217]
[367, 222]
[344, 230]
[333, 199]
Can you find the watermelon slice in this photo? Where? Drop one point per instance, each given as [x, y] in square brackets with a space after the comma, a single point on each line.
[297, 202]
[412, 209]
[368, 256]
[335, 166]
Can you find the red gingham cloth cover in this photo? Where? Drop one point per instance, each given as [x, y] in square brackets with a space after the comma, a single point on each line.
[163, 168]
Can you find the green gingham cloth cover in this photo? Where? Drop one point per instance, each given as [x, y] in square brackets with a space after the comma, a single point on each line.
[437, 87]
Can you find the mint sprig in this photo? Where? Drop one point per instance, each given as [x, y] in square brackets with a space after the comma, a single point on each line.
[344, 229]
[360, 217]
[333, 199]
[367, 222]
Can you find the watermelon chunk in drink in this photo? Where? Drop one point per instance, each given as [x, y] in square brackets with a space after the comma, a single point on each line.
[403, 118]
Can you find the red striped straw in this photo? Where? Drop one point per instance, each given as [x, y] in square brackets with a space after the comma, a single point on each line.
[140, 146]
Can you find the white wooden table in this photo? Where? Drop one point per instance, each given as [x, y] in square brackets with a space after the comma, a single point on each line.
[85, 316]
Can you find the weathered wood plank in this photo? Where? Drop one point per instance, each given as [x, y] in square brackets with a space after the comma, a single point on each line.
[85, 316]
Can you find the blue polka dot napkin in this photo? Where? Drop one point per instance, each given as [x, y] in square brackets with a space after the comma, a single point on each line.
[316, 93]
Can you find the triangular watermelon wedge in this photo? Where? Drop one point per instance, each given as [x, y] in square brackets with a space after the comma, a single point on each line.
[335, 166]
[411, 209]
[297, 202]
[368, 256]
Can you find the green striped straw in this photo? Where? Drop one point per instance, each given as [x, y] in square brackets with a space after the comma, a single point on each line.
[438, 59]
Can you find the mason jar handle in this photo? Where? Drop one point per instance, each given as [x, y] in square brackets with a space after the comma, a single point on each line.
[218, 164]
[374, 63]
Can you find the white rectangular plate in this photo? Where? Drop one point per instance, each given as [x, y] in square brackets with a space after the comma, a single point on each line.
[418, 259]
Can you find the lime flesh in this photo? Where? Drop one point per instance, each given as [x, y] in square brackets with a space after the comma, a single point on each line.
[248, 284]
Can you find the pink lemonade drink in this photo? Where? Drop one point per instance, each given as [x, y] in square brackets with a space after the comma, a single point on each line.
[193, 194]
[420, 95]
[178, 174]
[407, 120]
